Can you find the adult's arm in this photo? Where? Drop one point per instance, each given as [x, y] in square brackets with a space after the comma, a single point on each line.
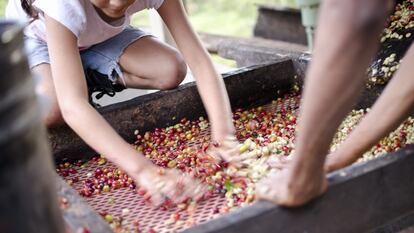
[392, 108]
[346, 40]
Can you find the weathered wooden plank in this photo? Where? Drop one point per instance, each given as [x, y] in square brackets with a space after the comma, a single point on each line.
[77, 213]
[250, 51]
[403, 224]
[359, 199]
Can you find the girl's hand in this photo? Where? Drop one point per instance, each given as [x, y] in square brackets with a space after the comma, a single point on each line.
[161, 184]
[229, 150]
[279, 162]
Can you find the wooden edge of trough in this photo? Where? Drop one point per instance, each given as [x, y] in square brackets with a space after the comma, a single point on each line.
[253, 85]
[218, 43]
[360, 198]
[404, 224]
[275, 7]
[78, 214]
[251, 51]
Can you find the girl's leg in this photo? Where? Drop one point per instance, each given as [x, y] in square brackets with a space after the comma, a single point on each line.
[146, 63]
[46, 88]
[149, 63]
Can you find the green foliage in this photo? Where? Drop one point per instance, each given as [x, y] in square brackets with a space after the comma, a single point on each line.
[225, 17]
[2, 7]
[228, 185]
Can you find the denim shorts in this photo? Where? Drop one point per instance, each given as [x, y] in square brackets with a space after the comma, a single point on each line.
[102, 58]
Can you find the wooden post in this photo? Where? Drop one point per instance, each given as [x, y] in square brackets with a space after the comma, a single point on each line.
[28, 201]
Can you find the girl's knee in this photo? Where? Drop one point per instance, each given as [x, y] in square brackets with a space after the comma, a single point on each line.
[175, 72]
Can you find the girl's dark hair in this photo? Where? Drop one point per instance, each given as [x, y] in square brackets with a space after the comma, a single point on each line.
[28, 8]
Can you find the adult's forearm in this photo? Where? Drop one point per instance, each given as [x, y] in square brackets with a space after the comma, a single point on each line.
[345, 43]
[392, 108]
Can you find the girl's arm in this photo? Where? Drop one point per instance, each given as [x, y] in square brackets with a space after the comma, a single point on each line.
[209, 83]
[71, 91]
[391, 109]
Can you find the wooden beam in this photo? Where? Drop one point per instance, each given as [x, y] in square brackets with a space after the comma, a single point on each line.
[251, 51]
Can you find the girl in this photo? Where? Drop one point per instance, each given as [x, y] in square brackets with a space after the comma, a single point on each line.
[69, 36]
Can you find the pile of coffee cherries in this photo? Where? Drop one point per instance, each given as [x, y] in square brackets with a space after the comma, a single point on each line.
[101, 180]
[264, 133]
[399, 22]
[400, 137]
[399, 27]
[185, 146]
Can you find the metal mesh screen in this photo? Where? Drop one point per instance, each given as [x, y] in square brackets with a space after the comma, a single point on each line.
[151, 218]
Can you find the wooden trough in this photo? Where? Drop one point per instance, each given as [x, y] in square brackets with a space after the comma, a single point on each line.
[377, 196]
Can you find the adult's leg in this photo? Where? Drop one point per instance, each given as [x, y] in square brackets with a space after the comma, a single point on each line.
[46, 88]
[149, 63]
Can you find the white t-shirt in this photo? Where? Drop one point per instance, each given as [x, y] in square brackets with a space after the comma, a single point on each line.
[79, 16]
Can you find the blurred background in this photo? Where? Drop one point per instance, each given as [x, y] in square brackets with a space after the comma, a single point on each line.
[228, 24]
[225, 17]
